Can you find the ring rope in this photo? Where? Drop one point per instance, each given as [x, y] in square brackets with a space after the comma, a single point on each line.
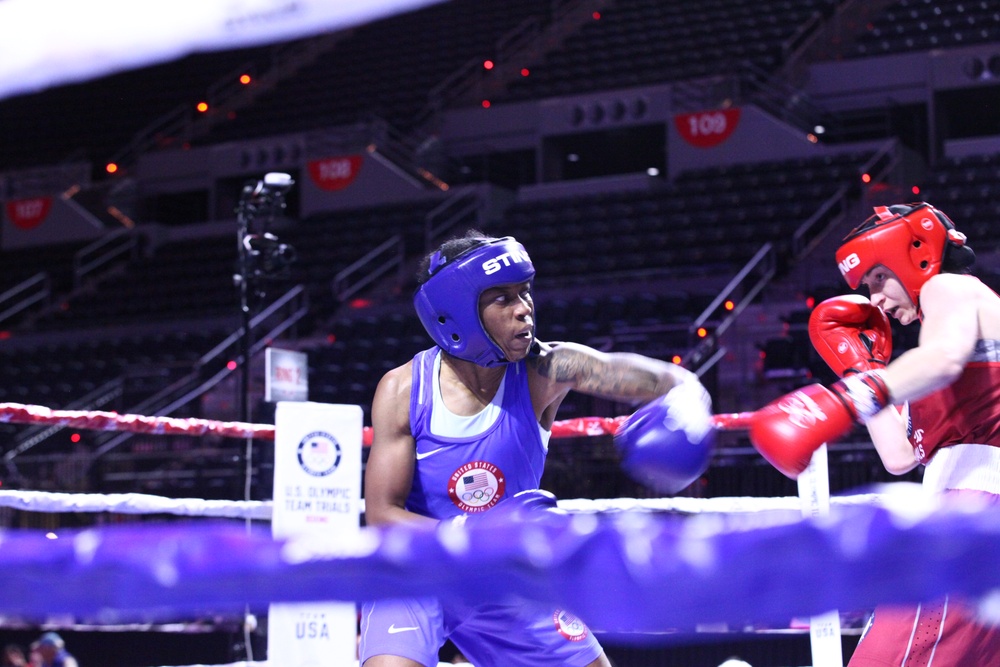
[140, 503]
[19, 413]
[134, 503]
[669, 571]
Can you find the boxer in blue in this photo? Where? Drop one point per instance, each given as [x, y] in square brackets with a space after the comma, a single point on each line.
[464, 426]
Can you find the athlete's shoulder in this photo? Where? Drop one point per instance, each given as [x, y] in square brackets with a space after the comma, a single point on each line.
[397, 381]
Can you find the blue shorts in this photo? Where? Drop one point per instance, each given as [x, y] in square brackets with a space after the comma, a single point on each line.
[496, 635]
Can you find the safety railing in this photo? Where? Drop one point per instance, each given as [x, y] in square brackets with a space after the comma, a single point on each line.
[741, 291]
[811, 231]
[370, 267]
[465, 208]
[104, 254]
[36, 290]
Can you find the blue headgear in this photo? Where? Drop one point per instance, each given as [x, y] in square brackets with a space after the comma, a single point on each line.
[448, 303]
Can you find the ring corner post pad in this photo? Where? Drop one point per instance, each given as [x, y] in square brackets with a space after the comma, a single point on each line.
[317, 491]
[814, 497]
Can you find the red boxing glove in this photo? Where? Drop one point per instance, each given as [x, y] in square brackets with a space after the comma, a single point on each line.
[787, 431]
[851, 334]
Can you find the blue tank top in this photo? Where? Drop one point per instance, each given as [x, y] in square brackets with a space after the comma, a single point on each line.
[456, 475]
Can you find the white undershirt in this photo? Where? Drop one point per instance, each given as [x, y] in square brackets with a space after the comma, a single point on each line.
[446, 423]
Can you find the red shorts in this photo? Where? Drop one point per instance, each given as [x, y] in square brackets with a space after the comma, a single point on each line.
[939, 634]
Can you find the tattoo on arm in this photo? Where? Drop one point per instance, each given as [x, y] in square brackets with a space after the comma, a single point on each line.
[612, 378]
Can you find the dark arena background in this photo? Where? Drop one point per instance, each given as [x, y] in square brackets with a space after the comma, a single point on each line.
[680, 173]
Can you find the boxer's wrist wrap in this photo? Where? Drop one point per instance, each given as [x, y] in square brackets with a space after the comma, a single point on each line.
[864, 394]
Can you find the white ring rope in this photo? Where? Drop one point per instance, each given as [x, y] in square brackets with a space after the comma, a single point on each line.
[133, 503]
[140, 503]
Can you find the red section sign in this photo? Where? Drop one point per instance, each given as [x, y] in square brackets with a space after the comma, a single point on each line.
[28, 213]
[335, 173]
[706, 129]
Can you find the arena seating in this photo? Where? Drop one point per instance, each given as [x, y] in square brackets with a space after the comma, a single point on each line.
[964, 188]
[385, 69]
[636, 42]
[713, 218]
[129, 102]
[921, 25]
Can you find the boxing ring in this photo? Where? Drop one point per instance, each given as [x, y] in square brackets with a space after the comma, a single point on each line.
[641, 572]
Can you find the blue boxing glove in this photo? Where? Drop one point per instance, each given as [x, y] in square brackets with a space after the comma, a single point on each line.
[528, 505]
[525, 506]
[667, 443]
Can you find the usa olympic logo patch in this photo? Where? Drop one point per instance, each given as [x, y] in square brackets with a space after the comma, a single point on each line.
[476, 486]
[569, 626]
[319, 454]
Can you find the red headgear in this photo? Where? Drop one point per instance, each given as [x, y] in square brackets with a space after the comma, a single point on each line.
[907, 239]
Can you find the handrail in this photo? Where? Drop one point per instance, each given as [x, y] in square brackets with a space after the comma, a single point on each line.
[766, 259]
[33, 435]
[96, 255]
[41, 279]
[399, 152]
[463, 207]
[832, 209]
[394, 250]
[887, 154]
[801, 35]
[519, 38]
[295, 293]
[706, 352]
[183, 390]
[191, 386]
[766, 252]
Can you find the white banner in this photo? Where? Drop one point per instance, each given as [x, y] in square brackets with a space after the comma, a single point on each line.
[50, 42]
[317, 490]
[814, 494]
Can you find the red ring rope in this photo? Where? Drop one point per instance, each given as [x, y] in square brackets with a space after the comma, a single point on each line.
[17, 413]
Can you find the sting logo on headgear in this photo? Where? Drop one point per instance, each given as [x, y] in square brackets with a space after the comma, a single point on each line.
[494, 264]
[852, 261]
[448, 303]
[908, 239]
